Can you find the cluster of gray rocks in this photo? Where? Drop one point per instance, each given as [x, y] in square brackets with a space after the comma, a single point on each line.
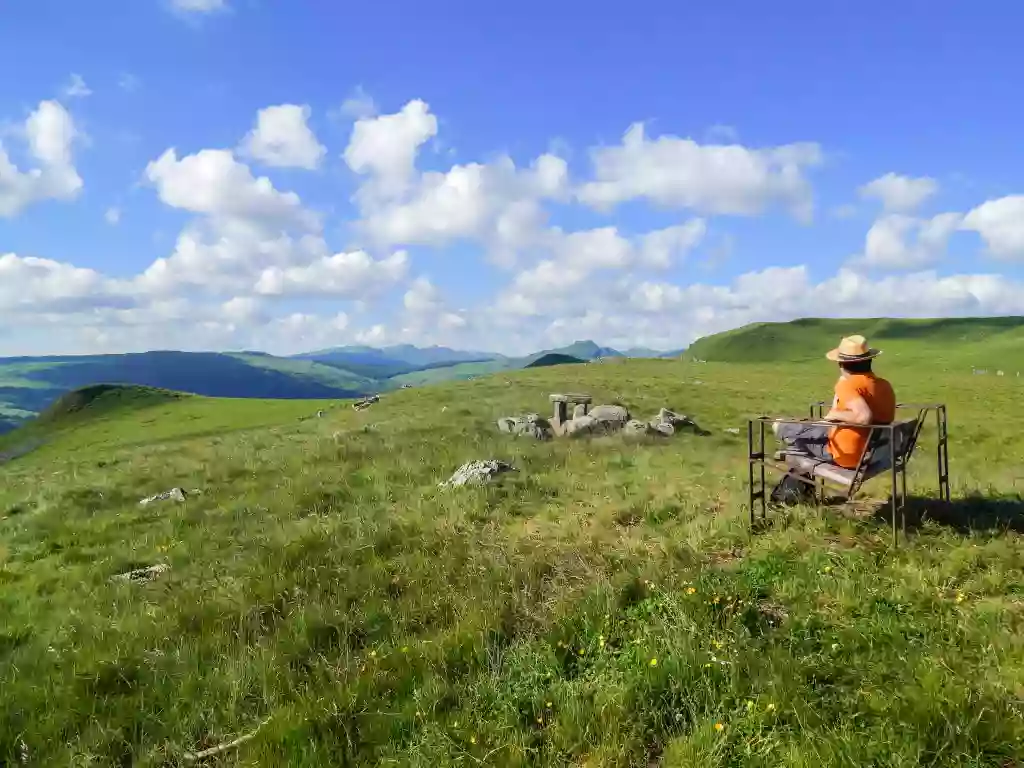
[596, 420]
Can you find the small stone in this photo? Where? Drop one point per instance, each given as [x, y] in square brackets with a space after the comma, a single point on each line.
[175, 494]
[142, 575]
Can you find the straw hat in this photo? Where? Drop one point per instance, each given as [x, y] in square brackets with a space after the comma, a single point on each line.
[852, 349]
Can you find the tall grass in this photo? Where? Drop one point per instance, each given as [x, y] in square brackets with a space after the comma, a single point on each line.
[603, 606]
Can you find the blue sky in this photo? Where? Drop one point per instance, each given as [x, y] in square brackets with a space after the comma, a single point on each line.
[797, 158]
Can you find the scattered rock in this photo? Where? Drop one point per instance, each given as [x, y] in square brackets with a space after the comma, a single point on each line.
[584, 425]
[733, 430]
[407, 386]
[637, 428]
[366, 402]
[142, 575]
[175, 494]
[614, 414]
[662, 428]
[531, 424]
[477, 473]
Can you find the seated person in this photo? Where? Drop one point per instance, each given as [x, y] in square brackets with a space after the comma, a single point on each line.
[861, 397]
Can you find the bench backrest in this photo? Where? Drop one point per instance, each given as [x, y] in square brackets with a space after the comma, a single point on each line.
[877, 455]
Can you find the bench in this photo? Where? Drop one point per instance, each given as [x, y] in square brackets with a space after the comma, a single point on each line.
[887, 452]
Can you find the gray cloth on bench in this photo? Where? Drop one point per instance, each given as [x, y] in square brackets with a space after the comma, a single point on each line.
[811, 439]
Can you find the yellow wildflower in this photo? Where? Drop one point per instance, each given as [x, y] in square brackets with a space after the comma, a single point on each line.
[719, 727]
[771, 707]
[690, 590]
[548, 705]
[472, 739]
[405, 649]
[960, 597]
[716, 600]
[654, 662]
[373, 654]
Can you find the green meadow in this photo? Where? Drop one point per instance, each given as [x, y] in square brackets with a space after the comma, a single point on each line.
[605, 605]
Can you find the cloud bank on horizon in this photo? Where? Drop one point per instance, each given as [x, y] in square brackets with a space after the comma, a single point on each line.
[309, 222]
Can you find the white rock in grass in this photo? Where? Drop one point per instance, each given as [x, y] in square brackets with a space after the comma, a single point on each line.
[141, 575]
[175, 494]
[477, 473]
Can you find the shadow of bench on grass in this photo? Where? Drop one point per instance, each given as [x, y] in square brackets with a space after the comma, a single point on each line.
[969, 514]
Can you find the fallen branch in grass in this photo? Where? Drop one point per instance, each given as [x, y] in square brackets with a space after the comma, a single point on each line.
[194, 757]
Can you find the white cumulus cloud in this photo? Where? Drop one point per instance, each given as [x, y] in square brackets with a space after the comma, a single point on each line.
[49, 133]
[385, 147]
[1001, 225]
[351, 275]
[713, 179]
[900, 194]
[213, 182]
[897, 241]
[30, 284]
[282, 138]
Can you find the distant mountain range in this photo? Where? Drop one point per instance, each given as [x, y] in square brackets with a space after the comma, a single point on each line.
[29, 384]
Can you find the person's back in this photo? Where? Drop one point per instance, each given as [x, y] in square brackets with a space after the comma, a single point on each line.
[846, 444]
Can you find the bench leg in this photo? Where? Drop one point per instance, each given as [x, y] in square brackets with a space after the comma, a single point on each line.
[943, 453]
[750, 472]
[895, 491]
[764, 489]
[756, 482]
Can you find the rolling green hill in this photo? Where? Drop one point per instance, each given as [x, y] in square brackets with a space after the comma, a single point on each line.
[604, 605]
[992, 343]
[29, 385]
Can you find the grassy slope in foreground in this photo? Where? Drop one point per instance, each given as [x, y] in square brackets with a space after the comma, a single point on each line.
[604, 606]
[958, 343]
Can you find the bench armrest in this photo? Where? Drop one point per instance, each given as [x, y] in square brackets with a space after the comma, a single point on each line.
[816, 423]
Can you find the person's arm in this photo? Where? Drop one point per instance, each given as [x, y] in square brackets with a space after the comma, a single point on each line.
[857, 410]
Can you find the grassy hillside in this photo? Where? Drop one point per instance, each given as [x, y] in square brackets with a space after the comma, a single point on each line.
[603, 606]
[954, 343]
[29, 385]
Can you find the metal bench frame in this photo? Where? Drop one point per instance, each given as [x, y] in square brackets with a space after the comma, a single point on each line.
[882, 437]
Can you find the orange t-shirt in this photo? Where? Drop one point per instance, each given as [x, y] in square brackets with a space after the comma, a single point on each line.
[846, 444]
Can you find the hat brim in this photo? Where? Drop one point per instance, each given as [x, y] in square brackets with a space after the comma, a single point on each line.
[836, 357]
